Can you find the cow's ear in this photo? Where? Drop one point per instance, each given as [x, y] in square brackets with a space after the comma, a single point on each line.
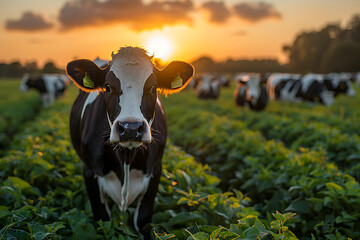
[86, 75]
[174, 77]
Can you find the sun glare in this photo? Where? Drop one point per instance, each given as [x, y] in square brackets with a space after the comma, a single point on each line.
[159, 46]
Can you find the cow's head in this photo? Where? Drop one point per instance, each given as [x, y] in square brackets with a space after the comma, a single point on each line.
[130, 84]
[25, 83]
[253, 86]
[208, 86]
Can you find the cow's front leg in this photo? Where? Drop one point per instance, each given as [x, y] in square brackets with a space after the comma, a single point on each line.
[144, 209]
[92, 187]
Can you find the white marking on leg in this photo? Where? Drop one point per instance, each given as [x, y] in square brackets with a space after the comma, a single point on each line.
[144, 186]
[109, 185]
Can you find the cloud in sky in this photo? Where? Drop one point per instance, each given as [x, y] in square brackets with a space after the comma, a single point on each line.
[30, 22]
[255, 12]
[139, 15]
[219, 13]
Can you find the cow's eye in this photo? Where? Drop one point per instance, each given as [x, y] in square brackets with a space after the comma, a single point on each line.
[153, 89]
[107, 88]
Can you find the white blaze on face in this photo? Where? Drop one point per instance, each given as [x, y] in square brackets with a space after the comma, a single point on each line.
[205, 84]
[23, 85]
[132, 71]
[253, 88]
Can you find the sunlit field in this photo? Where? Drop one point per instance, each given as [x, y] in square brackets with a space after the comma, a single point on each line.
[288, 172]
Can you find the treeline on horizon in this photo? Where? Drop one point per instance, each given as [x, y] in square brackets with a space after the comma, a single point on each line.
[330, 49]
[16, 69]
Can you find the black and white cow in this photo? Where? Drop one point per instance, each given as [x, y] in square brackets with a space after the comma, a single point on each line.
[296, 88]
[276, 82]
[208, 87]
[339, 83]
[50, 86]
[119, 130]
[224, 80]
[251, 92]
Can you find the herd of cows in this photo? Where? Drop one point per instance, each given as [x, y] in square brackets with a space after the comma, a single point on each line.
[119, 112]
[254, 90]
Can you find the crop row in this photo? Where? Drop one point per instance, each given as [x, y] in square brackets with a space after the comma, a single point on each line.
[16, 108]
[273, 176]
[296, 130]
[43, 195]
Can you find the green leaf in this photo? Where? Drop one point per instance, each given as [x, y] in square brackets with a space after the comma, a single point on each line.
[187, 218]
[335, 188]
[85, 231]
[4, 211]
[289, 236]
[214, 235]
[39, 231]
[199, 236]
[18, 182]
[300, 206]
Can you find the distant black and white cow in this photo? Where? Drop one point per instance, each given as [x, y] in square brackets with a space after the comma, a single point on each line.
[50, 86]
[251, 92]
[208, 87]
[296, 88]
[101, 62]
[276, 82]
[224, 80]
[339, 83]
[119, 130]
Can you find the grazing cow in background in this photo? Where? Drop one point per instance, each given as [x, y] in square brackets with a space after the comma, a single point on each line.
[251, 92]
[119, 130]
[294, 88]
[50, 86]
[224, 80]
[194, 81]
[276, 82]
[101, 62]
[339, 83]
[208, 87]
[313, 89]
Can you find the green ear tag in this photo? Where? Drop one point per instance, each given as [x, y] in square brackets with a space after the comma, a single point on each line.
[177, 82]
[87, 82]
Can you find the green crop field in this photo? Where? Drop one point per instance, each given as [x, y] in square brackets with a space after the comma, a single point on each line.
[301, 158]
[289, 172]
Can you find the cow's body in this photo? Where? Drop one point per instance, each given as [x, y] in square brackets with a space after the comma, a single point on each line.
[250, 92]
[295, 88]
[89, 128]
[208, 87]
[50, 86]
[119, 130]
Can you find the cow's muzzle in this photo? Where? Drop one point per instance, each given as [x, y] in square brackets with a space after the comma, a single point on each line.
[130, 131]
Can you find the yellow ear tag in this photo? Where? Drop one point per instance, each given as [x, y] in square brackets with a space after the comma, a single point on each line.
[87, 82]
[177, 82]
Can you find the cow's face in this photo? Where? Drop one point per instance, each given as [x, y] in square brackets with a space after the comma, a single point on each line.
[253, 87]
[130, 85]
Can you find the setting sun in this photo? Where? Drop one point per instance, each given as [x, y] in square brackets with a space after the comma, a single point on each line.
[160, 47]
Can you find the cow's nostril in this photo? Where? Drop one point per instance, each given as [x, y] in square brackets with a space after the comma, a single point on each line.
[141, 129]
[120, 129]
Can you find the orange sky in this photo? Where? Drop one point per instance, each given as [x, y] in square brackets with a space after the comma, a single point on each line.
[245, 29]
